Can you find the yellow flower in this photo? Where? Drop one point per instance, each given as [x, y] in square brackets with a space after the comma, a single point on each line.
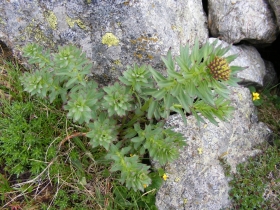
[200, 150]
[144, 185]
[256, 96]
[164, 177]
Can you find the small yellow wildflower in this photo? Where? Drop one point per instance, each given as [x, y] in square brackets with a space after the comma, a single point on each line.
[164, 177]
[144, 185]
[200, 150]
[256, 96]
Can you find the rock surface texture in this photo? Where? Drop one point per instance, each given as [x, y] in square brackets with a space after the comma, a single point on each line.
[236, 20]
[197, 181]
[270, 78]
[113, 34]
[275, 5]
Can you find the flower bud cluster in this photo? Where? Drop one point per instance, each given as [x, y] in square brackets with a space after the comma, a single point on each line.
[219, 68]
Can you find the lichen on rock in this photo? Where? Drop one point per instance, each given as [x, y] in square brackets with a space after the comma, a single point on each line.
[52, 19]
[110, 40]
[71, 22]
[34, 32]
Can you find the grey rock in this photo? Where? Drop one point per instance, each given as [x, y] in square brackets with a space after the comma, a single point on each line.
[236, 20]
[248, 57]
[197, 181]
[270, 79]
[143, 30]
[275, 5]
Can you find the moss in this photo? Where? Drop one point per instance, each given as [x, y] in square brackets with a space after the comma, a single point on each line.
[110, 40]
[52, 19]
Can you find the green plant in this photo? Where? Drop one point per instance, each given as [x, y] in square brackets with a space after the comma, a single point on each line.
[25, 126]
[256, 183]
[254, 177]
[25, 135]
[123, 117]
[34, 153]
[269, 94]
[10, 87]
[267, 101]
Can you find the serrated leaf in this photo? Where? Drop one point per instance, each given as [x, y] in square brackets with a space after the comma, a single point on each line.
[168, 101]
[210, 117]
[149, 91]
[152, 108]
[169, 62]
[165, 83]
[197, 117]
[231, 58]
[213, 44]
[77, 116]
[185, 101]
[157, 113]
[183, 60]
[190, 89]
[205, 93]
[195, 52]
[233, 81]
[223, 92]
[130, 132]
[174, 74]
[176, 89]
[142, 151]
[182, 64]
[180, 111]
[53, 95]
[206, 50]
[160, 94]
[125, 150]
[235, 69]
[137, 139]
[71, 82]
[217, 49]
[115, 167]
[223, 51]
[124, 81]
[157, 76]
